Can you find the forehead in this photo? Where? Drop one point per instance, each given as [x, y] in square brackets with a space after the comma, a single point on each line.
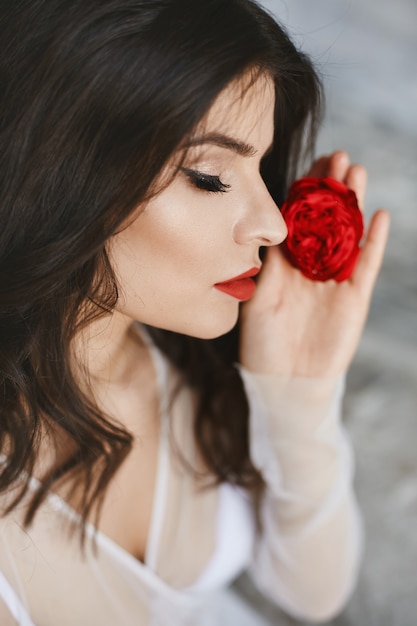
[241, 106]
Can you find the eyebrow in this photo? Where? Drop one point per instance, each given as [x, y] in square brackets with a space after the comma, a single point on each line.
[224, 141]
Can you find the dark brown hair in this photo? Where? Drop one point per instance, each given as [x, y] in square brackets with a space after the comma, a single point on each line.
[95, 97]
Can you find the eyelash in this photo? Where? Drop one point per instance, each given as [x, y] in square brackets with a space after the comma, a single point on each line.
[205, 182]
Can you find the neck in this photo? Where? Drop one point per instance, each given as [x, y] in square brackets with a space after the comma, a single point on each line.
[107, 349]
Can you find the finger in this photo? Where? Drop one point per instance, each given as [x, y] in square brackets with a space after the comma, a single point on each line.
[372, 253]
[356, 179]
[320, 167]
[272, 273]
[270, 266]
[338, 165]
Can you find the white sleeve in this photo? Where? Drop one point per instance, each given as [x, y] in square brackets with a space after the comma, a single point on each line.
[307, 555]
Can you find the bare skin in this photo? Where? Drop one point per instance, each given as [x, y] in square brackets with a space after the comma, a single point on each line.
[324, 321]
[133, 401]
[167, 261]
[291, 327]
[308, 352]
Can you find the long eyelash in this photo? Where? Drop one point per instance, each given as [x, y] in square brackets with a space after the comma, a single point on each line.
[205, 182]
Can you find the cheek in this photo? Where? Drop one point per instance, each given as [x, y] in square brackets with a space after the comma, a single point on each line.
[157, 260]
[174, 252]
[166, 264]
[183, 236]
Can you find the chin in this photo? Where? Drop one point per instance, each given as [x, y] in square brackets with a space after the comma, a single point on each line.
[199, 331]
[210, 328]
[203, 323]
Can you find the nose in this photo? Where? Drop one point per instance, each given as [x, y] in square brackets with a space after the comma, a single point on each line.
[261, 221]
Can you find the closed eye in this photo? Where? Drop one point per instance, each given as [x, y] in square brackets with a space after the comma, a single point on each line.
[205, 182]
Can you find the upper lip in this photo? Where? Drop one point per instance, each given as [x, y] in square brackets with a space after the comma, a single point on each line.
[252, 272]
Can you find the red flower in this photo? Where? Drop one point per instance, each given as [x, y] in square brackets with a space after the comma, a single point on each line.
[325, 226]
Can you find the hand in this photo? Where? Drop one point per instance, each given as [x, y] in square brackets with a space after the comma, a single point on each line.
[297, 327]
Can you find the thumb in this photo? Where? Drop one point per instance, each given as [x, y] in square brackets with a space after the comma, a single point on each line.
[272, 275]
[271, 265]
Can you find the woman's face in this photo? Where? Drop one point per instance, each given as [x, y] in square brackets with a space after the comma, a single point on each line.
[207, 226]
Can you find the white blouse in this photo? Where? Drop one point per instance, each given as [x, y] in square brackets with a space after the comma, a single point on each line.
[306, 557]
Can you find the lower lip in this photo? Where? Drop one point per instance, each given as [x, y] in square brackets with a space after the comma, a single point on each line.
[242, 289]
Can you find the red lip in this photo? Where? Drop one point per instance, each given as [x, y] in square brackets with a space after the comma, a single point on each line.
[240, 287]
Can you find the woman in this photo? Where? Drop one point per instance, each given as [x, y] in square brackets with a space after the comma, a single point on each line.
[164, 424]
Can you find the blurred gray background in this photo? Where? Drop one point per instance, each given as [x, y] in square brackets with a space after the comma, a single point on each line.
[366, 52]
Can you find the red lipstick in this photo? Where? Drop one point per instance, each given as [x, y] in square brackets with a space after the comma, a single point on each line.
[240, 287]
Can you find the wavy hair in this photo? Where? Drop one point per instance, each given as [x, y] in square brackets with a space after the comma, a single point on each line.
[95, 97]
